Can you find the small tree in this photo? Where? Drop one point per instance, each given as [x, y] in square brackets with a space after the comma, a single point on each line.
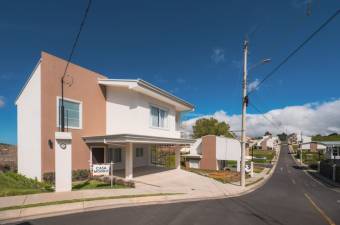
[267, 133]
[206, 126]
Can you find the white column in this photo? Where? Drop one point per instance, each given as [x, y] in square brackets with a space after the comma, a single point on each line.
[149, 154]
[238, 167]
[63, 161]
[129, 162]
[178, 158]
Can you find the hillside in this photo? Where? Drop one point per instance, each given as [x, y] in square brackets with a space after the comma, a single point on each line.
[334, 137]
[8, 157]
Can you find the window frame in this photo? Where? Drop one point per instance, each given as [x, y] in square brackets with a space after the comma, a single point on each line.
[80, 112]
[166, 120]
[114, 156]
[141, 152]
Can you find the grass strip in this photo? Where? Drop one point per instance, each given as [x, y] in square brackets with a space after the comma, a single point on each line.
[84, 200]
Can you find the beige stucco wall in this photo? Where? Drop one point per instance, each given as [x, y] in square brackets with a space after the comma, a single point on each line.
[85, 89]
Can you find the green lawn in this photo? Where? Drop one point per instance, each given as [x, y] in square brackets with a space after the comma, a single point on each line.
[15, 184]
[295, 147]
[263, 156]
[95, 184]
[258, 169]
[309, 158]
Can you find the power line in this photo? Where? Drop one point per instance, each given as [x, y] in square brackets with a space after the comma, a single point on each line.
[78, 35]
[296, 50]
[62, 111]
[264, 116]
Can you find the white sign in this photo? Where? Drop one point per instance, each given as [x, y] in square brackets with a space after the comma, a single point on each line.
[100, 170]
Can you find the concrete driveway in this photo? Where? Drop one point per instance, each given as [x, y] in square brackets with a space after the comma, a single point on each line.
[180, 181]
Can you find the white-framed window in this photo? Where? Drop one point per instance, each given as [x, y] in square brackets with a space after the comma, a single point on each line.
[139, 152]
[72, 115]
[117, 155]
[114, 155]
[159, 117]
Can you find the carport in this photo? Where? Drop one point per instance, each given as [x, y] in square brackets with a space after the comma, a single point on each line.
[129, 151]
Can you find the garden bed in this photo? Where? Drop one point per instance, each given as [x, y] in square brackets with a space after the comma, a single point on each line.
[224, 176]
[95, 184]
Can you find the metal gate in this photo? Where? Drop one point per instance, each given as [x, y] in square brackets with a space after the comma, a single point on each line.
[163, 155]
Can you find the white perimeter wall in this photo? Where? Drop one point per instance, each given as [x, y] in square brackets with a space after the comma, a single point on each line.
[228, 149]
[29, 127]
[128, 112]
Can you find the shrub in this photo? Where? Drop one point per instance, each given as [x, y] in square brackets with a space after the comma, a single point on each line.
[49, 177]
[5, 168]
[77, 175]
[116, 180]
[82, 174]
[13, 184]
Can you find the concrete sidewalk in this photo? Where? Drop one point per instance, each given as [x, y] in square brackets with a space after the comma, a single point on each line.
[188, 186]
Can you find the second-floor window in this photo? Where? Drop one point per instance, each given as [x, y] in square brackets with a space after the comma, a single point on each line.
[159, 117]
[72, 114]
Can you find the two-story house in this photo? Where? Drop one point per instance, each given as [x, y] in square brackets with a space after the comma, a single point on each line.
[123, 121]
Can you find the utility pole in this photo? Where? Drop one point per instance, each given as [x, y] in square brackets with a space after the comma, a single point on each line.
[244, 112]
[301, 140]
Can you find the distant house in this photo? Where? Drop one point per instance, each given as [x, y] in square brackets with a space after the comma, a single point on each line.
[312, 146]
[267, 142]
[299, 138]
[332, 150]
[212, 153]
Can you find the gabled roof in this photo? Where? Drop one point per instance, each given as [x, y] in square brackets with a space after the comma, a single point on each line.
[151, 90]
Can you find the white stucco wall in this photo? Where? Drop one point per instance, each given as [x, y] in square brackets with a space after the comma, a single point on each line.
[145, 159]
[29, 127]
[196, 148]
[270, 143]
[137, 161]
[128, 112]
[306, 146]
[304, 138]
[228, 149]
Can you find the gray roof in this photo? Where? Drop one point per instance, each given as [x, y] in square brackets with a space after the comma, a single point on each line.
[330, 143]
[135, 138]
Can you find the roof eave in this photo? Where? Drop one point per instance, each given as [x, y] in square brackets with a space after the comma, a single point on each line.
[143, 84]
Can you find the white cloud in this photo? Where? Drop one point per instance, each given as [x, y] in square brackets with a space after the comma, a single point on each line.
[311, 119]
[252, 86]
[217, 55]
[2, 101]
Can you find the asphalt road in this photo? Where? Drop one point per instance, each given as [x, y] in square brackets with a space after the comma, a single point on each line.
[289, 197]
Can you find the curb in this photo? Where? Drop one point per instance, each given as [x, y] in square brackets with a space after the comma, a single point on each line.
[79, 207]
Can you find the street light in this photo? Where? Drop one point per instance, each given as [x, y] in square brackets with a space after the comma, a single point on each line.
[263, 61]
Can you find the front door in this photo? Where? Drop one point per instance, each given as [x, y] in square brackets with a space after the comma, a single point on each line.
[97, 155]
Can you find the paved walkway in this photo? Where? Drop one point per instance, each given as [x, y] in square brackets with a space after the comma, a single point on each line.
[191, 186]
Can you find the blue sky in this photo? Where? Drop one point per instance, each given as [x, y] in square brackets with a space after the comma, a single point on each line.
[191, 48]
